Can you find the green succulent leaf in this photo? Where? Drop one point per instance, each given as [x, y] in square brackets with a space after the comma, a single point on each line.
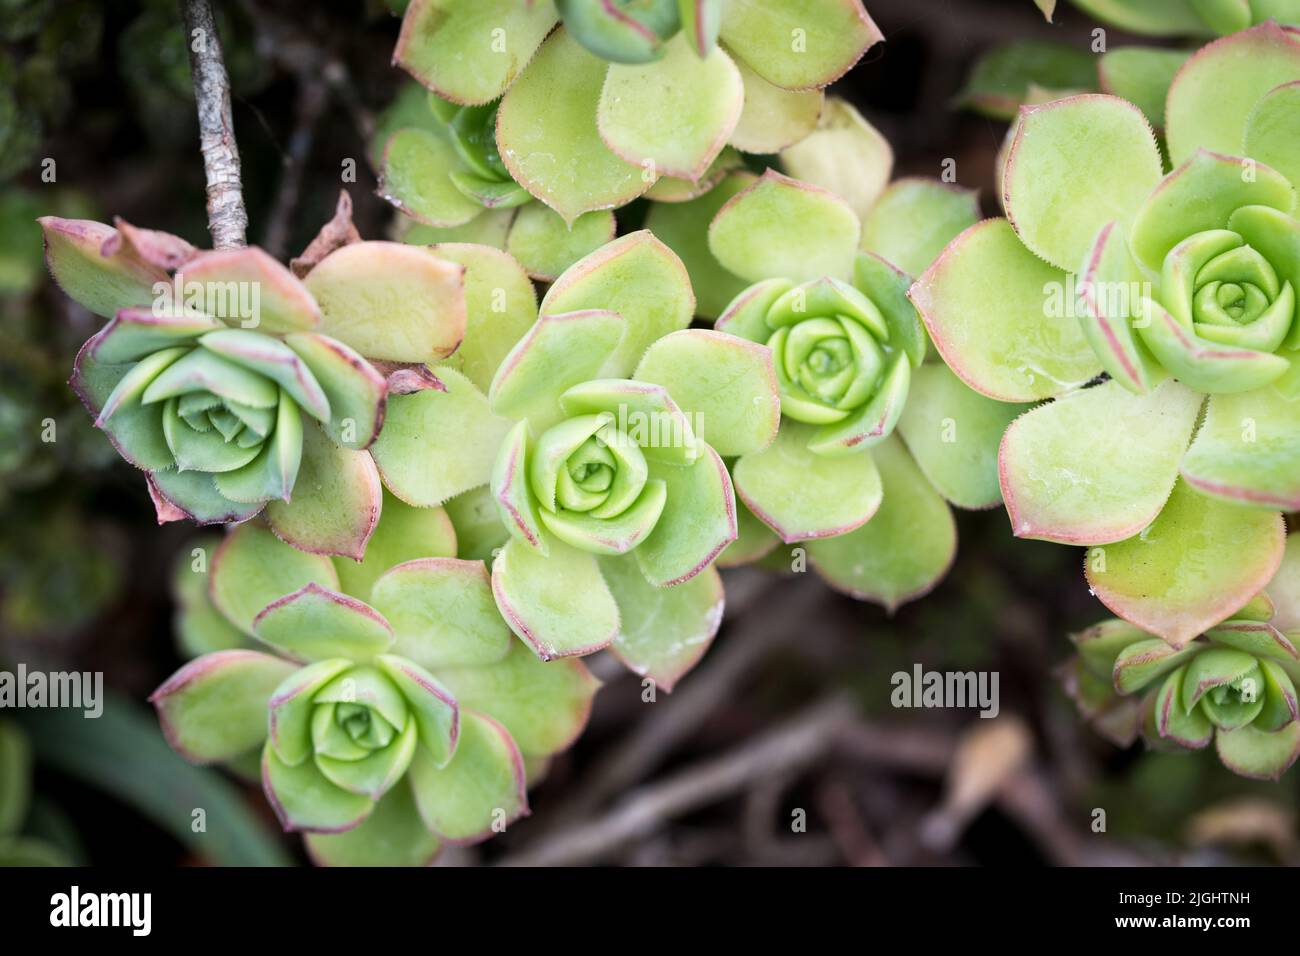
[1046, 173]
[543, 705]
[104, 284]
[1234, 74]
[416, 177]
[800, 494]
[1189, 727]
[1145, 661]
[683, 227]
[779, 227]
[1142, 75]
[558, 603]
[1198, 562]
[844, 154]
[986, 304]
[314, 623]
[1000, 81]
[283, 303]
[403, 534]
[455, 427]
[442, 613]
[674, 115]
[480, 791]
[214, 708]
[1254, 753]
[907, 546]
[760, 32]
[548, 136]
[736, 420]
[392, 835]
[545, 245]
[448, 45]
[774, 118]
[336, 499]
[1271, 135]
[391, 301]
[698, 523]
[304, 799]
[252, 568]
[953, 433]
[636, 276]
[914, 219]
[1097, 465]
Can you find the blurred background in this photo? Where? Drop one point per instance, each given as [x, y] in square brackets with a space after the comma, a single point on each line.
[781, 748]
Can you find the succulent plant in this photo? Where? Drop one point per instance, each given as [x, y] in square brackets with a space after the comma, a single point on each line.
[1189, 17]
[238, 387]
[848, 348]
[439, 165]
[1181, 289]
[581, 133]
[1235, 683]
[396, 713]
[597, 423]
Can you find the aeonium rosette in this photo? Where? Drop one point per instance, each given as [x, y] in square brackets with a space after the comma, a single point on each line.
[387, 716]
[1235, 684]
[596, 439]
[1186, 287]
[600, 99]
[238, 387]
[848, 349]
[1189, 17]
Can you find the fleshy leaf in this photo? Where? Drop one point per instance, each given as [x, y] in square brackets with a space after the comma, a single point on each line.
[664, 631]
[500, 305]
[434, 712]
[546, 131]
[544, 705]
[698, 523]
[914, 219]
[835, 34]
[907, 546]
[735, 420]
[1248, 449]
[1271, 135]
[214, 708]
[336, 499]
[559, 604]
[754, 540]
[985, 302]
[442, 613]
[636, 276]
[1197, 563]
[1200, 195]
[283, 304]
[1001, 79]
[801, 495]
[1147, 17]
[479, 791]
[782, 228]
[773, 118]
[546, 245]
[416, 179]
[403, 534]
[1141, 75]
[1191, 728]
[844, 154]
[954, 432]
[194, 495]
[316, 624]
[1109, 310]
[1284, 589]
[1258, 754]
[674, 115]
[291, 707]
[1074, 165]
[1233, 74]
[103, 284]
[391, 301]
[393, 835]
[304, 799]
[560, 350]
[354, 390]
[450, 46]
[1097, 465]
[252, 567]
[684, 228]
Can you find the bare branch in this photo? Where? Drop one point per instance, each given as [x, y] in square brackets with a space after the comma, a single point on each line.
[227, 218]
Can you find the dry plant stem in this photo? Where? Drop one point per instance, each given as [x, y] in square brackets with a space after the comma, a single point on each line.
[227, 218]
[793, 745]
